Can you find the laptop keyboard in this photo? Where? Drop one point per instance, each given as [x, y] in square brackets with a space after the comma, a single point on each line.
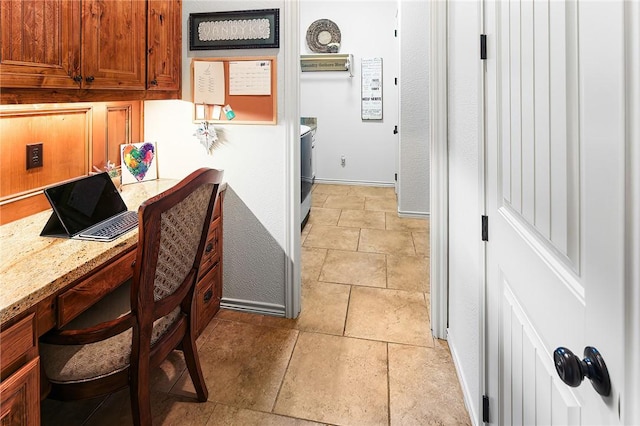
[115, 226]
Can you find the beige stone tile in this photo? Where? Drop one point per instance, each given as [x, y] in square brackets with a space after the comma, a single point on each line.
[421, 243]
[409, 273]
[166, 409]
[385, 204]
[372, 191]
[395, 223]
[333, 237]
[305, 232]
[323, 216]
[206, 332]
[362, 219]
[318, 199]
[167, 374]
[255, 319]
[344, 202]
[56, 413]
[223, 415]
[243, 364]
[357, 268]
[388, 315]
[336, 380]
[312, 261]
[424, 387]
[324, 308]
[330, 189]
[387, 242]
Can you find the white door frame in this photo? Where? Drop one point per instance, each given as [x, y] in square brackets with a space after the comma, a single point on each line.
[439, 191]
[630, 410]
[293, 259]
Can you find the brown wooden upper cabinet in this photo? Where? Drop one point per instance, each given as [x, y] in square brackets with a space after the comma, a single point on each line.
[128, 45]
[164, 44]
[113, 44]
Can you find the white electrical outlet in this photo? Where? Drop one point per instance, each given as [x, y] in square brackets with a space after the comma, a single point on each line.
[343, 161]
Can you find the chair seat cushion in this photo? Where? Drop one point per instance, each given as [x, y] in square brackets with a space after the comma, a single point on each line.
[79, 363]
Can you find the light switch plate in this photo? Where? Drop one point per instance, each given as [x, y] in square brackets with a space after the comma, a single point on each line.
[34, 156]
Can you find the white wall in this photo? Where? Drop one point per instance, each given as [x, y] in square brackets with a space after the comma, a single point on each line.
[370, 147]
[254, 158]
[413, 175]
[465, 208]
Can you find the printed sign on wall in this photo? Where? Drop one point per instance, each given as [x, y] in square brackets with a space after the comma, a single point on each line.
[371, 88]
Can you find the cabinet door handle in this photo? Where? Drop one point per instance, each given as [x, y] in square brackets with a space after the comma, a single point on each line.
[90, 79]
[154, 82]
[77, 78]
[209, 248]
[208, 295]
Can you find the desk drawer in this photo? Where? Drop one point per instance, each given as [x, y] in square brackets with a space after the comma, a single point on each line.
[20, 396]
[18, 344]
[211, 248]
[208, 295]
[76, 300]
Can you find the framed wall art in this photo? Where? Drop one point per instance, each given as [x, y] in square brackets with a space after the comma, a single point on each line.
[245, 29]
[138, 162]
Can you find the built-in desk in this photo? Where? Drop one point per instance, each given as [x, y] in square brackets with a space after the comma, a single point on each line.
[45, 282]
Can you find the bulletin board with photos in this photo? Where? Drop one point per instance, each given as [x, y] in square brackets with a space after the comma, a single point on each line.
[231, 90]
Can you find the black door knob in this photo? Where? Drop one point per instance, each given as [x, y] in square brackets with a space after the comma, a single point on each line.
[572, 370]
[90, 79]
[77, 78]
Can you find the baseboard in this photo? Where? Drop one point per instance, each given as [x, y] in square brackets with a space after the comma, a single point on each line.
[353, 182]
[466, 392]
[253, 307]
[415, 215]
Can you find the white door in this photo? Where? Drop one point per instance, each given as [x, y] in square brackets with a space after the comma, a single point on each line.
[555, 188]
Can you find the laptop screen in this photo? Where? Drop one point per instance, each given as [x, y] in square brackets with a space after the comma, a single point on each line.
[85, 202]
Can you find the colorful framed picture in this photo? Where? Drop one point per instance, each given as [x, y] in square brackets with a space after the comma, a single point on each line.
[138, 162]
[244, 29]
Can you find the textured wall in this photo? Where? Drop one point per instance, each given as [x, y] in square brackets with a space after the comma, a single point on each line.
[413, 177]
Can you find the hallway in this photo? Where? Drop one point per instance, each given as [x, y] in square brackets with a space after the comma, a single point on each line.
[361, 352]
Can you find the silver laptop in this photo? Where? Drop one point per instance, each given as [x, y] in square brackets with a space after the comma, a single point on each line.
[88, 208]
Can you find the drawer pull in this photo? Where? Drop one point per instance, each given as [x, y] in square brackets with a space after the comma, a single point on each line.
[209, 248]
[208, 295]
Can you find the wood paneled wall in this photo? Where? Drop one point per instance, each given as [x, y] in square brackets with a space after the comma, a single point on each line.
[75, 138]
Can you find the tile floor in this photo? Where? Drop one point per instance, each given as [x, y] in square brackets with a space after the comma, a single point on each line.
[361, 352]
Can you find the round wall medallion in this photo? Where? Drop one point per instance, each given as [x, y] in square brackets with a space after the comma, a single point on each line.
[323, 36]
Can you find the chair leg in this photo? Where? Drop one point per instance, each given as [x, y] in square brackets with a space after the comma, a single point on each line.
[140, 385]
[193, 365]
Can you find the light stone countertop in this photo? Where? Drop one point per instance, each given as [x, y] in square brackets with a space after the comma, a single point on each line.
[33, 268]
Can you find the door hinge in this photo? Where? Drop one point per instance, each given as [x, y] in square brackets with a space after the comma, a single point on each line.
[395, 130]
[485, 408]
[483, 46]
[485, 228]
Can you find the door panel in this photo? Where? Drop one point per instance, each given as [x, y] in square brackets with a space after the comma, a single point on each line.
[539, 158]
[39, 43]
[113, 44]
[555, 200]
[536, 397]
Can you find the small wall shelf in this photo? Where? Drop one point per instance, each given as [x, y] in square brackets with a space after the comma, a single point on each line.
[327, 62]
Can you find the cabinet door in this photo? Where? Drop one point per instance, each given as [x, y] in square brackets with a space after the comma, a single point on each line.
[40, 43]
[113, 44]
[20, 396]
[164, 44]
